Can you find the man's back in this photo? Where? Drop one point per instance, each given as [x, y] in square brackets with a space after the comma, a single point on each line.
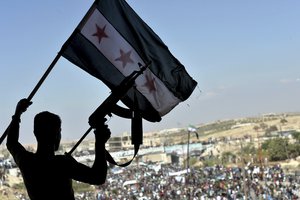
[46, 178]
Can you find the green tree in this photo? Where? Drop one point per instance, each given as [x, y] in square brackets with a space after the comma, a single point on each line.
[296, 136]
[270, 130]
[265, 144]
[263, 126]
[293, 150]
[248, 149]
[277, 149]
[283, 121]
[256, 128]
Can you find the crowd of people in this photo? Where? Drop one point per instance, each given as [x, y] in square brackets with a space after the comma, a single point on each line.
[218, 182]
[166, 181]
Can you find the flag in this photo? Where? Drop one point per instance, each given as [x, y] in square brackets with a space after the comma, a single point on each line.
[111, 41]
[193, 129]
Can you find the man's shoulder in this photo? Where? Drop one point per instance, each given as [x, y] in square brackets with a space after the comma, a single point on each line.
[15, 148]
[19, 152]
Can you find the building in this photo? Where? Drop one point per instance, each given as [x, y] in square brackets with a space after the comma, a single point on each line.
[123, 142]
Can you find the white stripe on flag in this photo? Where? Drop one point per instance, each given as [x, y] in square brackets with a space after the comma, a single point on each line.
[112, 45]
[192, 129]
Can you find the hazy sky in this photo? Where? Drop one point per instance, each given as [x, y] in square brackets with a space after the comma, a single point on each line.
[243, 54]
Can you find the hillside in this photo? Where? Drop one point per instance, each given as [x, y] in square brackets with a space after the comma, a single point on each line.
[231, 135]
[238, 128]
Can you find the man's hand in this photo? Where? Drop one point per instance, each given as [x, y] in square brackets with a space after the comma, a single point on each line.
[22, 106]
[102, 132]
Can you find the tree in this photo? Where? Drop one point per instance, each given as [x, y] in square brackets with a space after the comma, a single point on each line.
[277, 148]
[293, 150]
[263, 126]
[296, 136]
[248, 149]
[283, 121]
[265, 145]
[256, 128]
[270, 130]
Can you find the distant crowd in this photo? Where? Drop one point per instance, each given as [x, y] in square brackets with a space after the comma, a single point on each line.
[215, 183]
[166, 181]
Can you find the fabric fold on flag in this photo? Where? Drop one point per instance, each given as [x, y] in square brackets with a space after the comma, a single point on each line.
[110, 43]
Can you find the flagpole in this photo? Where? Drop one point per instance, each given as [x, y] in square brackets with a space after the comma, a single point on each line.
[35, 89]
[188, 153]
[79, 141]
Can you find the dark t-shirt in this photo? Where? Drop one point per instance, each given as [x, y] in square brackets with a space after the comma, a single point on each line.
[45, 178]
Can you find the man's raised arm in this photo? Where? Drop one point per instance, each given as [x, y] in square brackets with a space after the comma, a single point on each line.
[13, 130]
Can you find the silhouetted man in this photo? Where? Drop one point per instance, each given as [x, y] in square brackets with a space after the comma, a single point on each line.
[49, 176]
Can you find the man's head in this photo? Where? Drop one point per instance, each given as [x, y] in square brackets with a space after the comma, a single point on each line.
[47, 129]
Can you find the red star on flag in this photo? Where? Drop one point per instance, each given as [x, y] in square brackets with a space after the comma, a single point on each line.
[100, 33]
[124, 58]
[150, 83]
